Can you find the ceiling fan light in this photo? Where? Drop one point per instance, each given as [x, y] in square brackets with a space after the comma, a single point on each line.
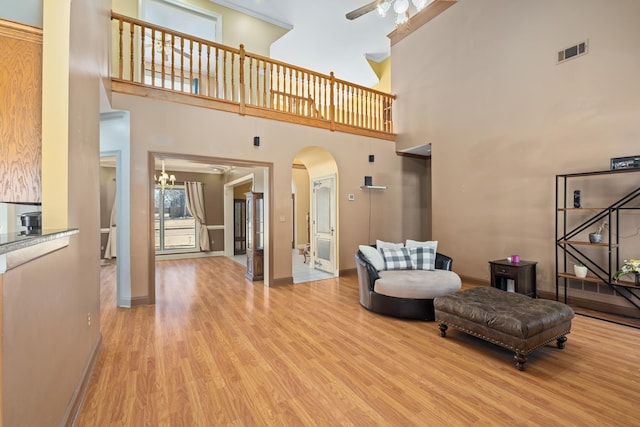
[401, 6]
[383, 8]
[420, 4]
[402, 18]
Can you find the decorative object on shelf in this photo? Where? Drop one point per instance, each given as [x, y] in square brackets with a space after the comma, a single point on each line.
[596, 237]
[576, 199]
[580, 270]
[629, 162]
[630, 266]
[165, 180]
[368, 184]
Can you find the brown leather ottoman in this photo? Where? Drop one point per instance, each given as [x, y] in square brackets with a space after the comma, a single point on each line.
[509, 319]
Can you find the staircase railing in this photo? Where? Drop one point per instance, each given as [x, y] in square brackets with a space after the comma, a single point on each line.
[156, 57]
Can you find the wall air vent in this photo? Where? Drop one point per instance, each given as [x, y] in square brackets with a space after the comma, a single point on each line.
[573, 51]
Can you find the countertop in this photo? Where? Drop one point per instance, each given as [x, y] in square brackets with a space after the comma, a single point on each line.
[13, 241]
[18, 248]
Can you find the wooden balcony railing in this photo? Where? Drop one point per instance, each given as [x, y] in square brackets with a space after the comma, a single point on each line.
[230, 79]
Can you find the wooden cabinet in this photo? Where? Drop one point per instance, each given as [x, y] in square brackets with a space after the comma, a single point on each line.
[517, 277]
[20, 113]
[255, 236]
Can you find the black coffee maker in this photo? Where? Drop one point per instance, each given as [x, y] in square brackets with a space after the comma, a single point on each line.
[33, 222]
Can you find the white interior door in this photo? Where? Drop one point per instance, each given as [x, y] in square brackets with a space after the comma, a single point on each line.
[324, 224]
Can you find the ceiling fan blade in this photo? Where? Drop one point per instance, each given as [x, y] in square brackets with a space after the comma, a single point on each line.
[180, 52]
[362, 10]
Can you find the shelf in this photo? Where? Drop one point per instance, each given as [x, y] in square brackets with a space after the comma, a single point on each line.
[591, 279]
[622, 209]
[581, 209]
[583, 243]
[373, 187]
[570, 225]
[584, 279]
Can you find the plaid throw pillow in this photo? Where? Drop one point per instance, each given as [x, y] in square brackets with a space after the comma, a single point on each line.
[396, 259]
[423, 258]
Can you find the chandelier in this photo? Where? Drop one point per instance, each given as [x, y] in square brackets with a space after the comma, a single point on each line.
[401, 8]
[164, 180]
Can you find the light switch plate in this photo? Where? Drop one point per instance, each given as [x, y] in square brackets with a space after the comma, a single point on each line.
[351, 197]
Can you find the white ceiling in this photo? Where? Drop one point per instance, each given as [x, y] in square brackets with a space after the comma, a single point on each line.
[322, 38]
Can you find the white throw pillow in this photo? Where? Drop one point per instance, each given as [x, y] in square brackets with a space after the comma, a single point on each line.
[388, 245]
[428, 244]
[373, 255]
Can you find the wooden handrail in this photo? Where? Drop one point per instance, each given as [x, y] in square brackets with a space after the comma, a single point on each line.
[158, 57]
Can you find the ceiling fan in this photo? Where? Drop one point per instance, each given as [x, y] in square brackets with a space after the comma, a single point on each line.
[400, 7]
[155, 41]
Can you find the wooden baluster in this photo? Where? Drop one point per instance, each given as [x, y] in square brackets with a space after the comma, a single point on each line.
[298, 92]
[360, 108]
[390, 129]
[208, 74]
[173, 64]
[343, 100]
[199, 68]
[301, 98]
[224, 74]
[351, 116]
[234, 94]
[142, 53]
[380, 112]
[337, 102]
[120, 48]
[327, 91]
[296, 82]
[368, 110]
[287, 82]
[153, 57]
[293, 93]
[216, 87]
[131, 48]
[261, 71]
[182, 73]
[264, 84]
[332, 111]
[250, 80]
[310, 99]
[375, 111]
[365, 118]
[352, 108]
[162, 70]
[191, 85]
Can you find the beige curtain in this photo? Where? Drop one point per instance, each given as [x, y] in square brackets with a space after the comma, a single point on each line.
[195, 204]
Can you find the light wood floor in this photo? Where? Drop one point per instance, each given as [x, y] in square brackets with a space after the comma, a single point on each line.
[219, 350]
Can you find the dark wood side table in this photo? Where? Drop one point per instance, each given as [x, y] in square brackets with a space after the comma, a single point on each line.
[522, 273]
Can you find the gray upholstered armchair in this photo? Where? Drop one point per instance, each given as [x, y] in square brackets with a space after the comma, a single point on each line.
[405, 293]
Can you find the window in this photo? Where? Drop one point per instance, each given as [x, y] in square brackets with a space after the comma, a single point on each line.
[175, 229]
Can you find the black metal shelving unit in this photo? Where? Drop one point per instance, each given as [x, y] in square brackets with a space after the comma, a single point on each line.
[569, 246]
